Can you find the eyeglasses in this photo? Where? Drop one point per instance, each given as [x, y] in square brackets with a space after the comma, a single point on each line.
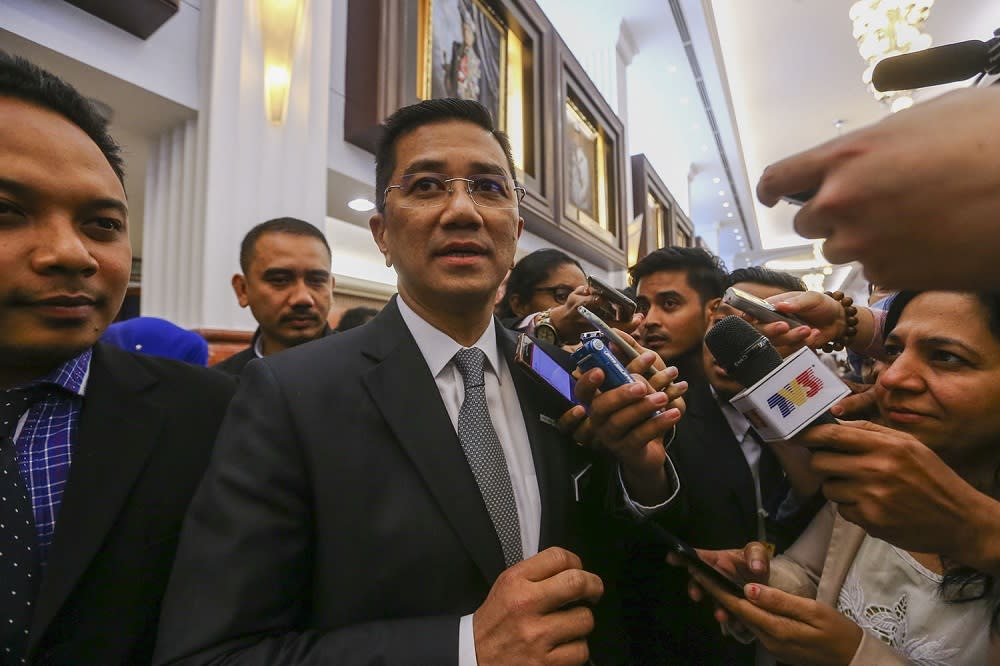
[560, 292]
[431, 190]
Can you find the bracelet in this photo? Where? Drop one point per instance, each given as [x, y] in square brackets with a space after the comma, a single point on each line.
[850, 322]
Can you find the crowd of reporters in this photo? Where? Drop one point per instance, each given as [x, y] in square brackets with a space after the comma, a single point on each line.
[360, 495]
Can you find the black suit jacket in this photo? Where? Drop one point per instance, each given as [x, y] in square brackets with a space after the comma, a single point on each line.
[716, 509]
[234, 364]
[340, 523]
[145, 434]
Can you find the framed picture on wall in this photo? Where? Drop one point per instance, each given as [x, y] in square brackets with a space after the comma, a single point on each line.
[584, 173]
[652, 199]
[591, 171]
[464, 52]
[498, 52]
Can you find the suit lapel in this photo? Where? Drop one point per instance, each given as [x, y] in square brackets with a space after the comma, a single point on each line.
[117, 430]
[729, 463]
[401, 386]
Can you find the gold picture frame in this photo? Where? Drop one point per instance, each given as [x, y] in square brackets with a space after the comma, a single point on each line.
[585, 149]
[463, 52]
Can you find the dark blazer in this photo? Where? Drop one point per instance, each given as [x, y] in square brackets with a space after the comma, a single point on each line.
[339, 522]
[234, 364]
[145, 434]
[716, 509]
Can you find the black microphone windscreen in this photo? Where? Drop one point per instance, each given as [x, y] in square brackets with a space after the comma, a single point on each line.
[746, 355]
[931, 67]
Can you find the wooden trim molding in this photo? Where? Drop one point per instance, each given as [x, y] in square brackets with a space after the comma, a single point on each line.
[139, 17]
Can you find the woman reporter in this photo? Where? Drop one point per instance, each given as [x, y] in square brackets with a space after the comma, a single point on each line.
[841, 595]
[543, 292]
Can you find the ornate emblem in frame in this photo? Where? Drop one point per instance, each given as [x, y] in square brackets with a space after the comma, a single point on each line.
[585, 172]
[463, 54]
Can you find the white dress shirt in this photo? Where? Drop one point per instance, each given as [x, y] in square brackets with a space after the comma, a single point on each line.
[741, 431]
[438, 349]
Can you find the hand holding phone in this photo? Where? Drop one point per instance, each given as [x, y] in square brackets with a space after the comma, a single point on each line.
[758, 308]
[612, 305]
[691, 558]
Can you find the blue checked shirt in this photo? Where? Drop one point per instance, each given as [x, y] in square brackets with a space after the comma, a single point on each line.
[45, 438]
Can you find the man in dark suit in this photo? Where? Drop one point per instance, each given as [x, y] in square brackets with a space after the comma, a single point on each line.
[346, 518]
[100, 449]
[287, 284]
[735, 489]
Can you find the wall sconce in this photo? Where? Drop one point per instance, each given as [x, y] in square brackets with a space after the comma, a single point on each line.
[279, 24]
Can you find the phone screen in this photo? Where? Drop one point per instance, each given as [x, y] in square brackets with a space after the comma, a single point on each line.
[553, 373]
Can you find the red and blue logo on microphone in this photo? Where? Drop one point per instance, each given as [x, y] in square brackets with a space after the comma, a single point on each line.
[795, 393]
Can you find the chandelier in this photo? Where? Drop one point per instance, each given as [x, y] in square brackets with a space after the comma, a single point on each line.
[885, 28]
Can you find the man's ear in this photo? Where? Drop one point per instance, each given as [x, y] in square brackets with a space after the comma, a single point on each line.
[239, 283]
[377, 224]
[710, 308]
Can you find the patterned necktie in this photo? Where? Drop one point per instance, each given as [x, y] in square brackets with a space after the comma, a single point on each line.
[19, 570]
[485, 455]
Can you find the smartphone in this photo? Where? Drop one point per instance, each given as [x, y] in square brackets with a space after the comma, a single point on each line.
[800, 198]
[757, 308]
[616, 307]
[690, 556]
[544, 369]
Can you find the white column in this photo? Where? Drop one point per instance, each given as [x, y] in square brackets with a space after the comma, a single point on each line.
[214, 178]
[625, 50]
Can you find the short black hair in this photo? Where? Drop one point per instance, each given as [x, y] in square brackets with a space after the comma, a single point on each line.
[355, 317]
[279, 225]
[22, 79]
[766, 276]
[531, 270]
[427, 112]
[706, 273]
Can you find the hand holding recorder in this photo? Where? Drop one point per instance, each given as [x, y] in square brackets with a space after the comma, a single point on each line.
[631, 406]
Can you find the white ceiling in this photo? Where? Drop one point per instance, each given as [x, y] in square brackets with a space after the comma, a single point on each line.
[778, 74]
[794, 69]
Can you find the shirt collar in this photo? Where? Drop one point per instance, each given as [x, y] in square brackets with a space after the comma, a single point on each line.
[438, 348]
[737, 422]
[258, 344]
[258, 341]
[71, 375]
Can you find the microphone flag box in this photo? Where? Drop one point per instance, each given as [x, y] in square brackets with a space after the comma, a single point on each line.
[790, 397]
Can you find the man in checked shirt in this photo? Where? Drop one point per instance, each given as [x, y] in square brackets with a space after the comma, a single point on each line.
[100, 449]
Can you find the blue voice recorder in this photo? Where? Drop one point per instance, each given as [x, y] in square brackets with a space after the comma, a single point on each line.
[594, 353]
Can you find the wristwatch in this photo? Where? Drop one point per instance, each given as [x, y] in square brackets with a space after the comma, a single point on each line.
[544, 330]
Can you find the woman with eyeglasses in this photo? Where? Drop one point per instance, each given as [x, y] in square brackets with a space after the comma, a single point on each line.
[840, 595]
[543, 291]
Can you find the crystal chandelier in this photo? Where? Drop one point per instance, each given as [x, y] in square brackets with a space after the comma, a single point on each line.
[885, 28]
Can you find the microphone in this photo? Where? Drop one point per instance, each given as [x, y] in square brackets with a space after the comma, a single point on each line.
[931, 67]
[782, 396]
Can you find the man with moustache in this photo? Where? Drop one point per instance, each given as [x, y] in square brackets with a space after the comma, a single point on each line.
[399, 493]
[734, 489]
[100, 449]
[286, 283]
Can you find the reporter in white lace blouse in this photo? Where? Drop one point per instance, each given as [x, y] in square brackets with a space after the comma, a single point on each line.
[841, 595]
